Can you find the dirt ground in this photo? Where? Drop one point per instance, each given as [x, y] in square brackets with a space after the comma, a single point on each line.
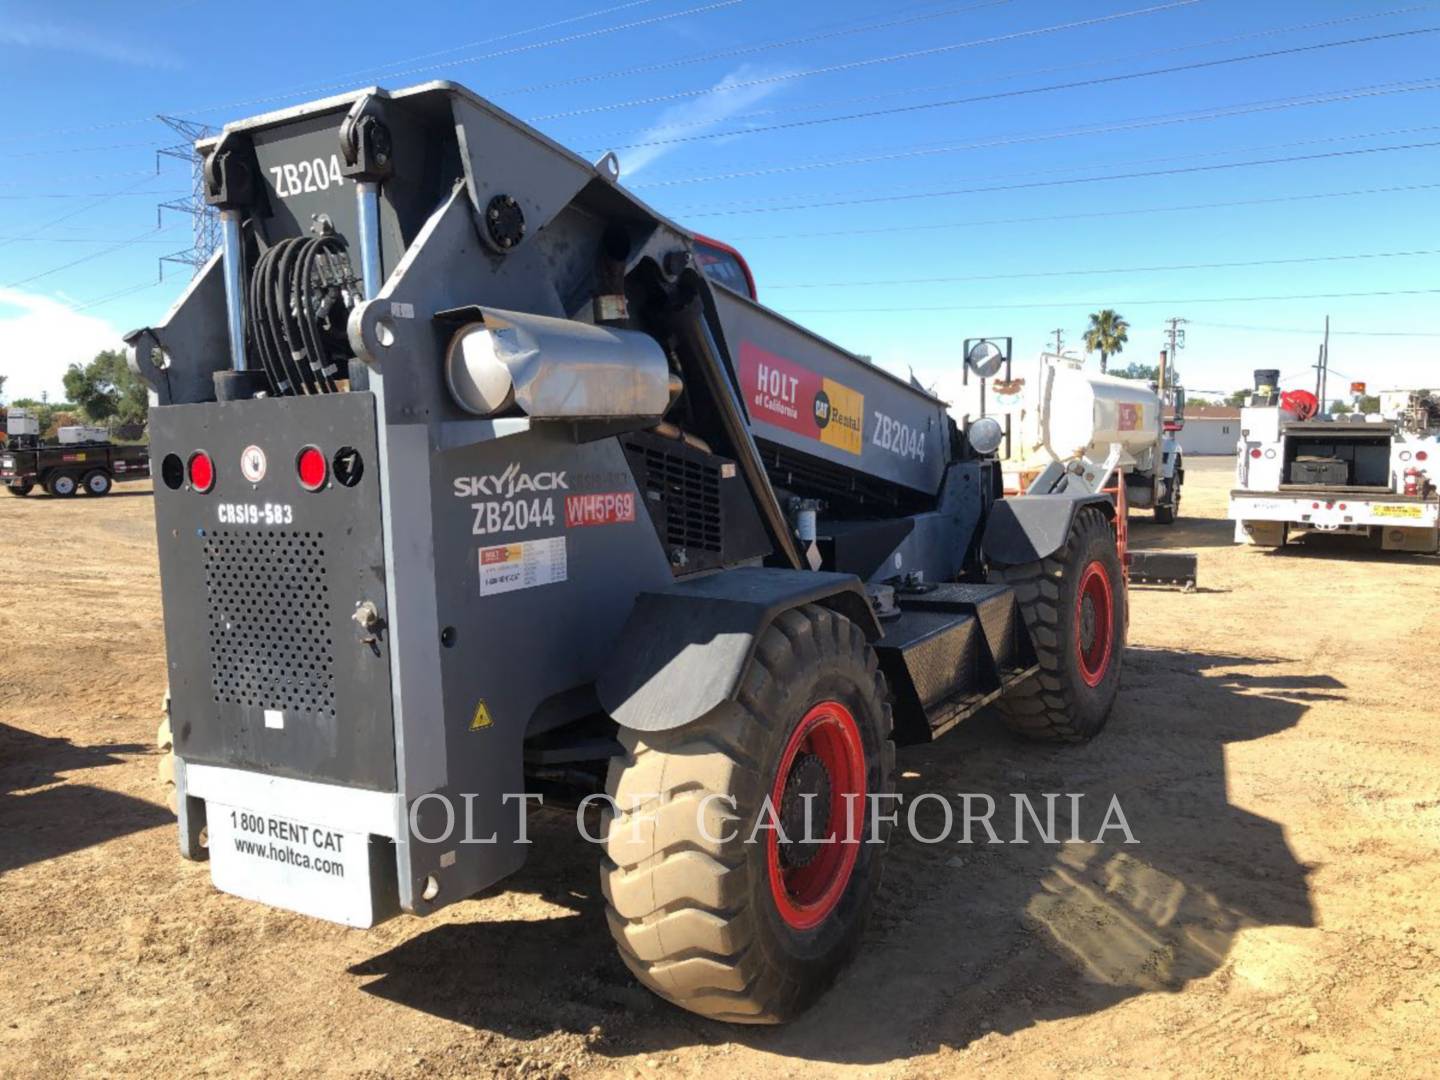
[1273, 748]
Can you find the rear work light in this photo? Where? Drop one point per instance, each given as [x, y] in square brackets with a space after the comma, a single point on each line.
[311, 467]
[202, 471]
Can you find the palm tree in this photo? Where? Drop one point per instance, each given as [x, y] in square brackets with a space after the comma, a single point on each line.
[1107, 335]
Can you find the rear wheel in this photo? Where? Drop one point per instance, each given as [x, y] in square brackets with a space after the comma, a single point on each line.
[20, 490]
[97, 482]
[719, 896]
[61, 485]
[1074, 605]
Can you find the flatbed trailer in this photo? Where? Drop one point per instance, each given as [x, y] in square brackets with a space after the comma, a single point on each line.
[64, 470]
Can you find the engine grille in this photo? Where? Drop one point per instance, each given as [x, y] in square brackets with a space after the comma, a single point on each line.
[269, 620]
[690, 493]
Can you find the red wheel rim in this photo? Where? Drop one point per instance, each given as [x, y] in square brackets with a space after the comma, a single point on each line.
[1094, 623]
[828, 736]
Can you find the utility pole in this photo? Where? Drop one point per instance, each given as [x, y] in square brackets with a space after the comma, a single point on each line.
[206, 236]
[1059, 340]
[1176, 339]
[1325, 365]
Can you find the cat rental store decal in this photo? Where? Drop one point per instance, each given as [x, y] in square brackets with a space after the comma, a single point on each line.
[781, 392]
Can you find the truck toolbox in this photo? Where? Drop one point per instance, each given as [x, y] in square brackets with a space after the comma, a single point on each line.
[1319, 470]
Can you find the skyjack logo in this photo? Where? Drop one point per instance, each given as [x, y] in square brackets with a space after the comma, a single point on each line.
[508, 484]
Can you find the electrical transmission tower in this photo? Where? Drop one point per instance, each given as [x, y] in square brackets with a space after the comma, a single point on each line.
[206, 236]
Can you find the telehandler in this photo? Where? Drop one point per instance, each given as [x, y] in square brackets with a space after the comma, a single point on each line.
[480, 480]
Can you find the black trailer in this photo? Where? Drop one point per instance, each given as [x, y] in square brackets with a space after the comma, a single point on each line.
[64, 469]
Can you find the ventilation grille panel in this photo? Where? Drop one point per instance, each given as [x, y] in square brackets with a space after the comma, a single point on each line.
[269, 620]
[690, 491]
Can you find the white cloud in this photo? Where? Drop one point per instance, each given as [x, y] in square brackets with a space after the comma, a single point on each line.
[736, 91]
[29, 34]
[41, 337]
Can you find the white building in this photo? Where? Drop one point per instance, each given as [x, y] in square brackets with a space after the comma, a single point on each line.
[1210, 429]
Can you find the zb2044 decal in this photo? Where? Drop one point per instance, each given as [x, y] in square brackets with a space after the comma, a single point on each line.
[301, 177]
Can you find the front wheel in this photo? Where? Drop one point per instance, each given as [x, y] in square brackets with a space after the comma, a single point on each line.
[741, 856]
[1074, 605]
[20, 490]
[97, 482]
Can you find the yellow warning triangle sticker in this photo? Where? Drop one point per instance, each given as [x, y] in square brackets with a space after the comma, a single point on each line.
[481, 719]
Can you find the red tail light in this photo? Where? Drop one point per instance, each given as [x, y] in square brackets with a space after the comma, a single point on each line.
[1255, 453]
[1421, 455]
[201, 471]
[312, 469]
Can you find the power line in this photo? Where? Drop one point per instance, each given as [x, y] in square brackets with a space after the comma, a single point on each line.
[987, 80]
[1312, 330]
[1108, 270]
[586, 35]
[1132, 124]
[1144, 174]
[1081, 214]
[999, 95]
[286, 95]
[122, 193]
[1155, 159]
[119, 293]
[75, 239]
[851, 65]
[1112, 303]
[509, 36]
[77, 262]
[75, 213]
[720, 54]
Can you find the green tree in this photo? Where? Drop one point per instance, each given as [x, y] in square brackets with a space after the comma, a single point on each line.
[1368, 403]
[1107, 335]
[2, 386]
[107, 389]
[1239, 397]
[1148, 373]
[1340, 408]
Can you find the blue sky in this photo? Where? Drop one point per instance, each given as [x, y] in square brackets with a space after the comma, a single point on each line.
[977, 192]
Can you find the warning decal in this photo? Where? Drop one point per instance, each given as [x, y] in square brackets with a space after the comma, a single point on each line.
[781, 392]
[481, 719]
[1132, 416]
[508, 567]
[1391, 510]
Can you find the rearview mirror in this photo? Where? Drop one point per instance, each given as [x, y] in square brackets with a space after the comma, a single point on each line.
[985, 358]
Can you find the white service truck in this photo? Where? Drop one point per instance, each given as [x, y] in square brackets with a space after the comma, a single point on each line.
[1298, 472]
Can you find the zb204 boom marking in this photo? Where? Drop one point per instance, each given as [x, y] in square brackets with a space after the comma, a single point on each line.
[300, 177]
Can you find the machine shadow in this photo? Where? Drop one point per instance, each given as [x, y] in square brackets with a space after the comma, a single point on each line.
[41, 818]
[965, 940]
[1186, 533]
[1347, 548]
